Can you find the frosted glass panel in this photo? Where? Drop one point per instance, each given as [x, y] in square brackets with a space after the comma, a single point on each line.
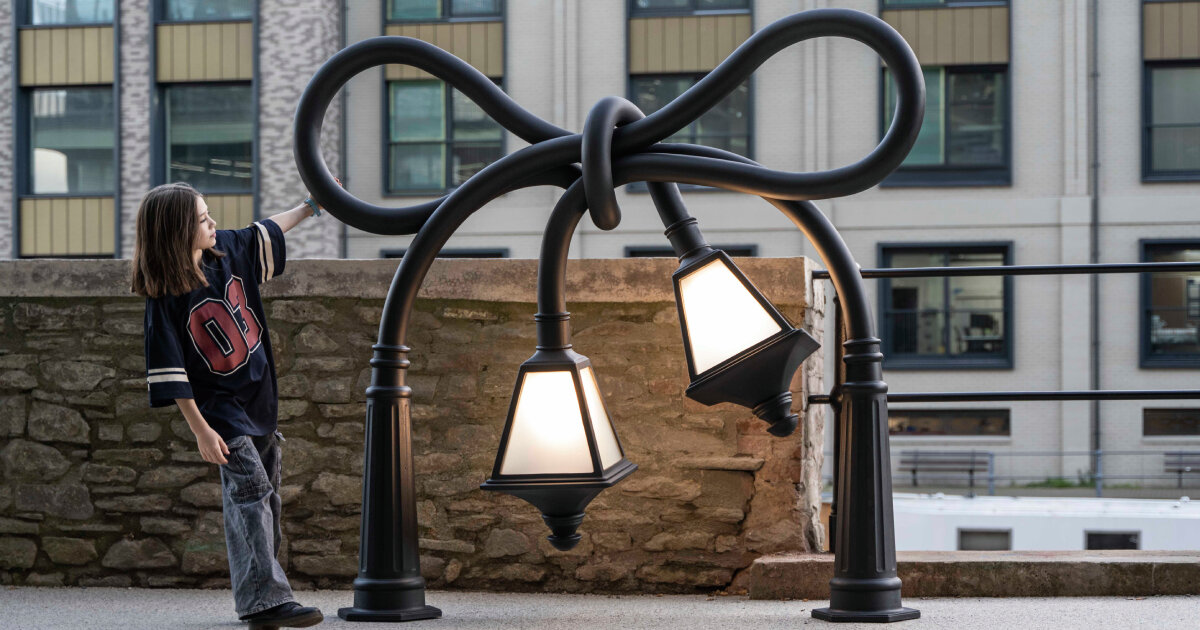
[723, 318]
[606, 439]
[547, 431]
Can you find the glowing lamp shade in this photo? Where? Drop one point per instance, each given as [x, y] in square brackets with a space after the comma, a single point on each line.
[558, 449]
[740, 348]
[722, 317]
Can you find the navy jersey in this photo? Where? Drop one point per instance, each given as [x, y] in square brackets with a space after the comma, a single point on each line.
[212, 344]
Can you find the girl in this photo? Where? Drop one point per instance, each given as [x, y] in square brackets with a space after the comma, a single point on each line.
[208, 351]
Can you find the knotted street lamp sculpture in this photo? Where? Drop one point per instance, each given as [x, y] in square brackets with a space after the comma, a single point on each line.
[751, 367]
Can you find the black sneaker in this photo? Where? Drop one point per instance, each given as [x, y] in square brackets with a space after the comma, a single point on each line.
[286, 615]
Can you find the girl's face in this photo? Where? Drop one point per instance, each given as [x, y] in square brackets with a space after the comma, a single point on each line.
[206, 229]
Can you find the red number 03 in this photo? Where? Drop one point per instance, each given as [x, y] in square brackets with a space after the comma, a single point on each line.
[225, 331]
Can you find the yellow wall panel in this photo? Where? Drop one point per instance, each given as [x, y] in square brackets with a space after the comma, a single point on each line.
[28, 55]
[684, 44]
[74, 55]
[75, 225]
[1189, 34]
[205, 52]
[41, 75]
[28, 225]
[1171, 44]
[107, 227]
[480, 44]
[106, 55]
[58, 59]
[92, 53]
[41, 221]
[67, 226]
[93, 225]
[59, 226]
[954, 36]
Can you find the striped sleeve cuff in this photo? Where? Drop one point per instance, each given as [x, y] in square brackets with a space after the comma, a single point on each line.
[167, 384]
[266, 252]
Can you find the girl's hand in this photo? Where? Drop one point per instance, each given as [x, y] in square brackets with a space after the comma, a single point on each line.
[212, 447]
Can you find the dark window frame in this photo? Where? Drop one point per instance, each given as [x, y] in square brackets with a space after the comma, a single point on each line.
[23, 15]
[634, 12]
[1146, 411]
[445, 16]
[1088, 533]
[160, 163]
[979, 530]
[24, 143]
[929, 176]
[641, 186]
[460, 252]
[448, 118]
[1146, 359]
[160, 13]
[648, 251]
[893, 360]
[947, 412]
[1149, 175]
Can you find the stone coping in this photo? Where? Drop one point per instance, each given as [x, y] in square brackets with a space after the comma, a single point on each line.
[995, 574]
[782, 280]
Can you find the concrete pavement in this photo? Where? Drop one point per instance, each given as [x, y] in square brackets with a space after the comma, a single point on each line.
[23, 608]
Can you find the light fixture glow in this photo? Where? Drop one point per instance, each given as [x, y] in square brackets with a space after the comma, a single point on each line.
[606, 438]
[721, 316]
[547, 430]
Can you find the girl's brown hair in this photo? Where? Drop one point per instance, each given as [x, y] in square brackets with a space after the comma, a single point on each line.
[162, 253]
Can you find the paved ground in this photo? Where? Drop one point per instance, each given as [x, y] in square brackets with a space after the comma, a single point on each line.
[136, 609]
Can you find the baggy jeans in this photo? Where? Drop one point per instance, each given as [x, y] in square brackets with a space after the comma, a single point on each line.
[251, 504]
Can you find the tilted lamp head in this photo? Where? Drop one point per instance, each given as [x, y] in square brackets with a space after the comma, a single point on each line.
[739, 347]
[559, 448]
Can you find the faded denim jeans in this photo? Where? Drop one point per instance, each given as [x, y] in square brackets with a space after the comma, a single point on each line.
[251, 503]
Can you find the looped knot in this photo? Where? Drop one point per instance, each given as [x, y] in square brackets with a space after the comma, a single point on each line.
[596, 153]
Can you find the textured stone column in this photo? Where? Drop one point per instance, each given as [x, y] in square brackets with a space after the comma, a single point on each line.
[294, 38]
[7, 180]
[136, 110]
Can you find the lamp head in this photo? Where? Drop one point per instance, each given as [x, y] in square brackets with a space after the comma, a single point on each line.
[739, 347]
[558, 449]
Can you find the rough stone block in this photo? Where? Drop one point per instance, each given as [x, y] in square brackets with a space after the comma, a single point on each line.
[202, 494]
[135, 503]
[111, 432]
[506, 542]
[71, 501]
[17, 553]
[44, 579]
[15, 526]
[102, 473]
[54, 423]
[12, 415]
[73, 551]
[334, 566]
[144, 432]
[170, 477]
[17, 379]
[148, 553]
[29, 461]
[75, 375]
[168, 526]
[341, 489]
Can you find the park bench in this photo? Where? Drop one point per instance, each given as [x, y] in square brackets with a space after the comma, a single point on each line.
[969, 462]
[1181, 462]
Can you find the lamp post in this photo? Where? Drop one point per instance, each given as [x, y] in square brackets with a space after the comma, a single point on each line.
[389, 586]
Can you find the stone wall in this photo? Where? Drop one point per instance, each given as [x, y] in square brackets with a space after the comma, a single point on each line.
[98, 489]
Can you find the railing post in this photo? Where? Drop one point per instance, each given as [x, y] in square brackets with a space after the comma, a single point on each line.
[839, 375]
[971, 476]
[1099, 473]
[991, 472]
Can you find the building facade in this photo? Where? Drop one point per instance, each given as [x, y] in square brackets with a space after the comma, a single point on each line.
[1056, 132]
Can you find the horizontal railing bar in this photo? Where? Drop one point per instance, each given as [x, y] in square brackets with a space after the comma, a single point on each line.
[1018, 270]
[1133, 394]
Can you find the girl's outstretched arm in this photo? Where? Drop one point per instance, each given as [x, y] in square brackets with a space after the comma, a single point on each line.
[291, 218]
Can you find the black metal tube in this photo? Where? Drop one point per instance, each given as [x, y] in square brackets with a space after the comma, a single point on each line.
[1133, 394]
[1018, 270]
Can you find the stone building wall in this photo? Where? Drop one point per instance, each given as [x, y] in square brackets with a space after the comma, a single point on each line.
[98, 489]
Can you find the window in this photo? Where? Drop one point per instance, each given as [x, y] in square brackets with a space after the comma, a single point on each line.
[964, 137]
[1171, 307]
[71, 141]
[206, 10]
[906, 4]
[1170, 422]
[675, 7]
[937, 422]
[1171, 141]
[407, 10]
[984, 540]
[932, 322]
[1113, 540]
[210, 136]
[438, 138]
[68, 12]
[725, 126]
[653, 251]
[499, 252]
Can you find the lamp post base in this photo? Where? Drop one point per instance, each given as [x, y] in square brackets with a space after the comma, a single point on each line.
[865, 616]
[355, 613]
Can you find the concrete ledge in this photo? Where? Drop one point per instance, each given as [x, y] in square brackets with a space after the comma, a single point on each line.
[784, 281]
[996, 574]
